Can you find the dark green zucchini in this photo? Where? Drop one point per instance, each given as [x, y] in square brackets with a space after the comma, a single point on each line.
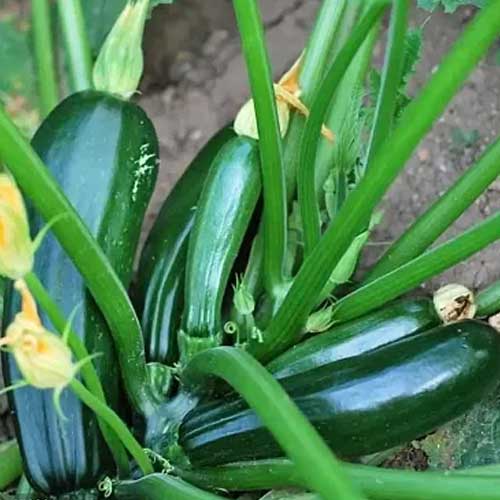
[103, 152]
[160, 287]
[226, 205]
[394, 322]
[362, 404]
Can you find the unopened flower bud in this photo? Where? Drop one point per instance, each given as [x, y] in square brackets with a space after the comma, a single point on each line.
[120, 63]
[243, 299]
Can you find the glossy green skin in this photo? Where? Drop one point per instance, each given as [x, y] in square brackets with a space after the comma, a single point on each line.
[226, 206]
[363, 404]
[390, 324]
[104, 154]
[160, 290]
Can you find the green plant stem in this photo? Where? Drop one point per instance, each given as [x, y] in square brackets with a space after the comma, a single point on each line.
[44, 55]
[39, 185]
[343, 116]
[113, 420]
[319, 46]
[323, 39]
[446, 210]
[11, 466]
[313, 65]
[88, 372]
[79, 56]
[488, 300]
[356, 212]
[280, 415]
[160, 487]
[376, 483]
[311, 136]
[391, 78]
[275, 212]
[405, 278]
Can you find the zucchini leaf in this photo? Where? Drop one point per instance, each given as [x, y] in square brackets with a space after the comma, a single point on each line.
[469, 441]
[347, 264]
[412, 56]
[449, 6]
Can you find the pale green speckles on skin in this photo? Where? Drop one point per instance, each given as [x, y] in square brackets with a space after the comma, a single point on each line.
[144, 167]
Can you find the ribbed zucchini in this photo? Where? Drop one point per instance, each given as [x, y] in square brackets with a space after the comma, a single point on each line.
[226, 206]
[362, 404]
[104, 153]
[162, 267]
[384, 326]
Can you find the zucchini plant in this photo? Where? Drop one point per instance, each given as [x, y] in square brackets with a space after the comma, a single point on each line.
[248, 354]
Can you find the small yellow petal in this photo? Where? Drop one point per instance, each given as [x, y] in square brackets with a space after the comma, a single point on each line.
[10, 195]
[327, 133]
[290, 80]
[28, 305]
[245, 123]
[287, 92]
[282, 94]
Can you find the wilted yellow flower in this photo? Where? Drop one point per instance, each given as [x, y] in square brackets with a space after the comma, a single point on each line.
[43, 358]
[287, 92]
[16, 247]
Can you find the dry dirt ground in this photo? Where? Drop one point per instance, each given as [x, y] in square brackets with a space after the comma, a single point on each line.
[195, 82]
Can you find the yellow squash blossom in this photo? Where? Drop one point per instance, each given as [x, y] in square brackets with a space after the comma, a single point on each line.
[43, 358]
[287, 92]
[16, 247]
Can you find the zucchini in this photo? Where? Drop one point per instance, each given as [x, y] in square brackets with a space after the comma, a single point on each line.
[160, 285]
[103, 152]
[389, 324]
[227, 202]
[363, 404]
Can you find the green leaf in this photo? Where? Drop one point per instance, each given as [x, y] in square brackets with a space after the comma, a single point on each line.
[413, 54]
[471, 440]
[449, 6]
[347, 264]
